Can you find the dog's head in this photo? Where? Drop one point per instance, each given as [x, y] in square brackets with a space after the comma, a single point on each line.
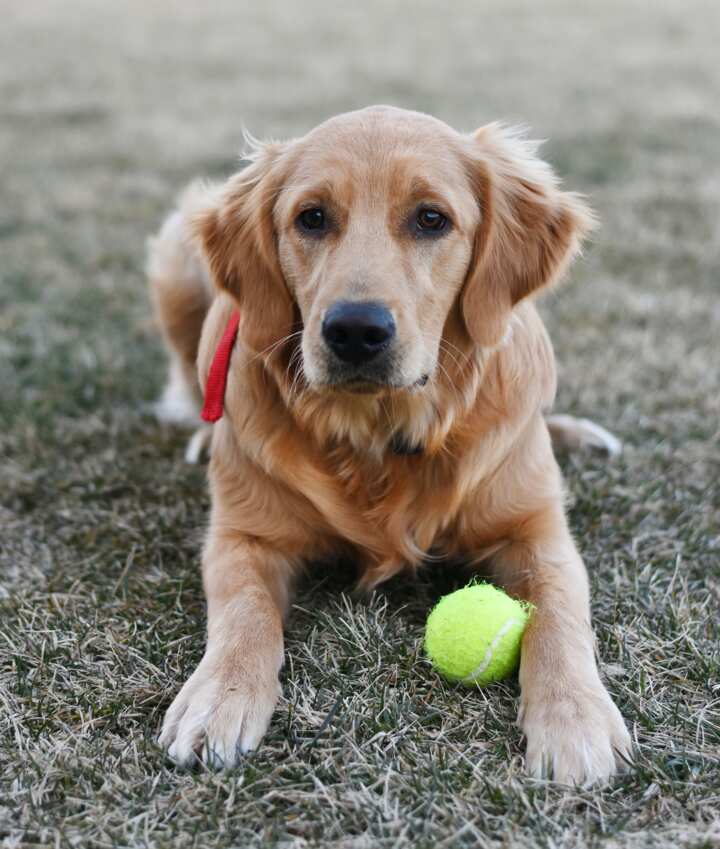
[382, 233]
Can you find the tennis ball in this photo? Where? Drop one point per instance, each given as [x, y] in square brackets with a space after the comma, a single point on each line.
[473, 635]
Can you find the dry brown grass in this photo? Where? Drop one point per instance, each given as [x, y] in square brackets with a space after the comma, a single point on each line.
[104, 113]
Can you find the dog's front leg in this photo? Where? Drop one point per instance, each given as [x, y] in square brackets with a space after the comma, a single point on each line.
[575, 733]
[225, 706]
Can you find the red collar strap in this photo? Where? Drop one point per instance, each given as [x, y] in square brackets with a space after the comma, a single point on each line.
[217, 377]
[217, 381]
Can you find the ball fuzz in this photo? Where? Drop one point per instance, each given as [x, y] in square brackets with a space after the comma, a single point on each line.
[473, 635]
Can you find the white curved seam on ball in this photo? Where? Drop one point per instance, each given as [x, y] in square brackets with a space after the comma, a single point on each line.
[470, 679]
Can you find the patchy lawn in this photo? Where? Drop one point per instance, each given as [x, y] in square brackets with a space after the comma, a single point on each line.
[105, 111]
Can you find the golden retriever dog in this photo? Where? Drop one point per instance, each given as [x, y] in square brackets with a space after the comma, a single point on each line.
[385, 397]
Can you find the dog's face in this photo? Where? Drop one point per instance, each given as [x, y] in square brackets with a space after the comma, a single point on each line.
[375, 234]
[377, 231]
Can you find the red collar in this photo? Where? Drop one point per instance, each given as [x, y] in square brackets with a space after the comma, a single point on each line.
[217, 376]
[217, 380]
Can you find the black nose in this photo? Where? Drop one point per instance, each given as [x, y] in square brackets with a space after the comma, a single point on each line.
[358, 331]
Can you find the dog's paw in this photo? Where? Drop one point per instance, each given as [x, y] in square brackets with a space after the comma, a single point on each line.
[217, 720]
[178, 404]
[569, 433]
[577, 738]
[198, 447]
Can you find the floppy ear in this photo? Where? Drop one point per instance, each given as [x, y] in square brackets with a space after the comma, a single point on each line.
[235, 229]
[529, 230]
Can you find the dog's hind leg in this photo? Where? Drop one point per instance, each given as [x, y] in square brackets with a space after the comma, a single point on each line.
[569, 433]
[181, 292]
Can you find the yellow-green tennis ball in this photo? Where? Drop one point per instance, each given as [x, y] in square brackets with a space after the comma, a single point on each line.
[474, 634]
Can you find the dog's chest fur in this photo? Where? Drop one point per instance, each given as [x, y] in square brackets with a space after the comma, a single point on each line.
[408, 505]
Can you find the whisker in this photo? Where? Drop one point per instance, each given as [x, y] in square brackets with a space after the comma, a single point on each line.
[450, 354]
[274, 346]
[463, 354]
[449, 381]
[296, 364]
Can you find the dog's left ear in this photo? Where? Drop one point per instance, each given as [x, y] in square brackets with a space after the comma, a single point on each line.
[528, 234]
[235, 230]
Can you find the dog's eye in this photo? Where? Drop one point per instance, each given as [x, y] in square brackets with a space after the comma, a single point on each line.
[312, 219]
[430, 221]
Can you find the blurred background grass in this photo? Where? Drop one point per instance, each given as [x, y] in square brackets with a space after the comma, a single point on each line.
[106, 110]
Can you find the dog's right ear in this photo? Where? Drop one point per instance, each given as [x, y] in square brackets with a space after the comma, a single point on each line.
[529, 232]
[235, 230]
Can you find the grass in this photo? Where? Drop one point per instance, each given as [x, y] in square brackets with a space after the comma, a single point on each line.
[105, 111]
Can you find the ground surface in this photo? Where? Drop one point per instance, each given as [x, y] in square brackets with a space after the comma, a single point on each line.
[103, 116]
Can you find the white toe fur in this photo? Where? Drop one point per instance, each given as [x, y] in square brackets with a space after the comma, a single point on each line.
[572, 434]
[579, 740]
[217, 722]
[177, 405]
[198, 447]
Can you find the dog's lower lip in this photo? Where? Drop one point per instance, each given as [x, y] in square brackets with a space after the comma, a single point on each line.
[368, 386]
[362, 387]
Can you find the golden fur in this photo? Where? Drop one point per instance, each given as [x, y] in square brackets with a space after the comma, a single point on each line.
[302, 469]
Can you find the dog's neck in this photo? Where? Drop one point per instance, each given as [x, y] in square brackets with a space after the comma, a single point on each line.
[412, 424]
[401, 447]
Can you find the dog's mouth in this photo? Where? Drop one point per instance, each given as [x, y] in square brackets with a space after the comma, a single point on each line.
[361, 387]
[384, 375]
[373, 386]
